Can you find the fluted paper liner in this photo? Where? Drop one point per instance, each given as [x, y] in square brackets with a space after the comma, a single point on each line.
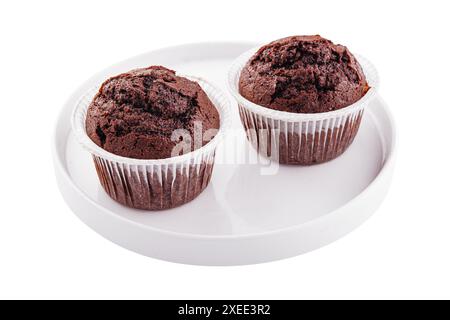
[154, 184]
[299, 138]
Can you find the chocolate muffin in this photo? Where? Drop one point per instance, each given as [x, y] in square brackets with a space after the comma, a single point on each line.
[135, 113]
[138, 115]
[303, 74]
[305, 79]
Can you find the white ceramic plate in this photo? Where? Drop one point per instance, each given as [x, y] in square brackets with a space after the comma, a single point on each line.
[250, 213]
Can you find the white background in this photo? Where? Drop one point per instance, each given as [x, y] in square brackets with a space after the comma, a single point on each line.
[49, 47]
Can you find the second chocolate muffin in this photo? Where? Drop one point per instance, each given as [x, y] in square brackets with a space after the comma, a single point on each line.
[149, 117]
[303, 74]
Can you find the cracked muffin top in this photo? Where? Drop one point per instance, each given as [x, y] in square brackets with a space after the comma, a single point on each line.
[303, 74]
[135, 113]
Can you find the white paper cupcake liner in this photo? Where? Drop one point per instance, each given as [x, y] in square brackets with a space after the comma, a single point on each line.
[299, 138]
[154, 184]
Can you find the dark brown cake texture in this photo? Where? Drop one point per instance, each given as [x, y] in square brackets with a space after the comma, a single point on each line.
[303, 74]
[134, 114]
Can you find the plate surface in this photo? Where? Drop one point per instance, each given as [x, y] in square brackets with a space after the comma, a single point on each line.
[253, 211]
